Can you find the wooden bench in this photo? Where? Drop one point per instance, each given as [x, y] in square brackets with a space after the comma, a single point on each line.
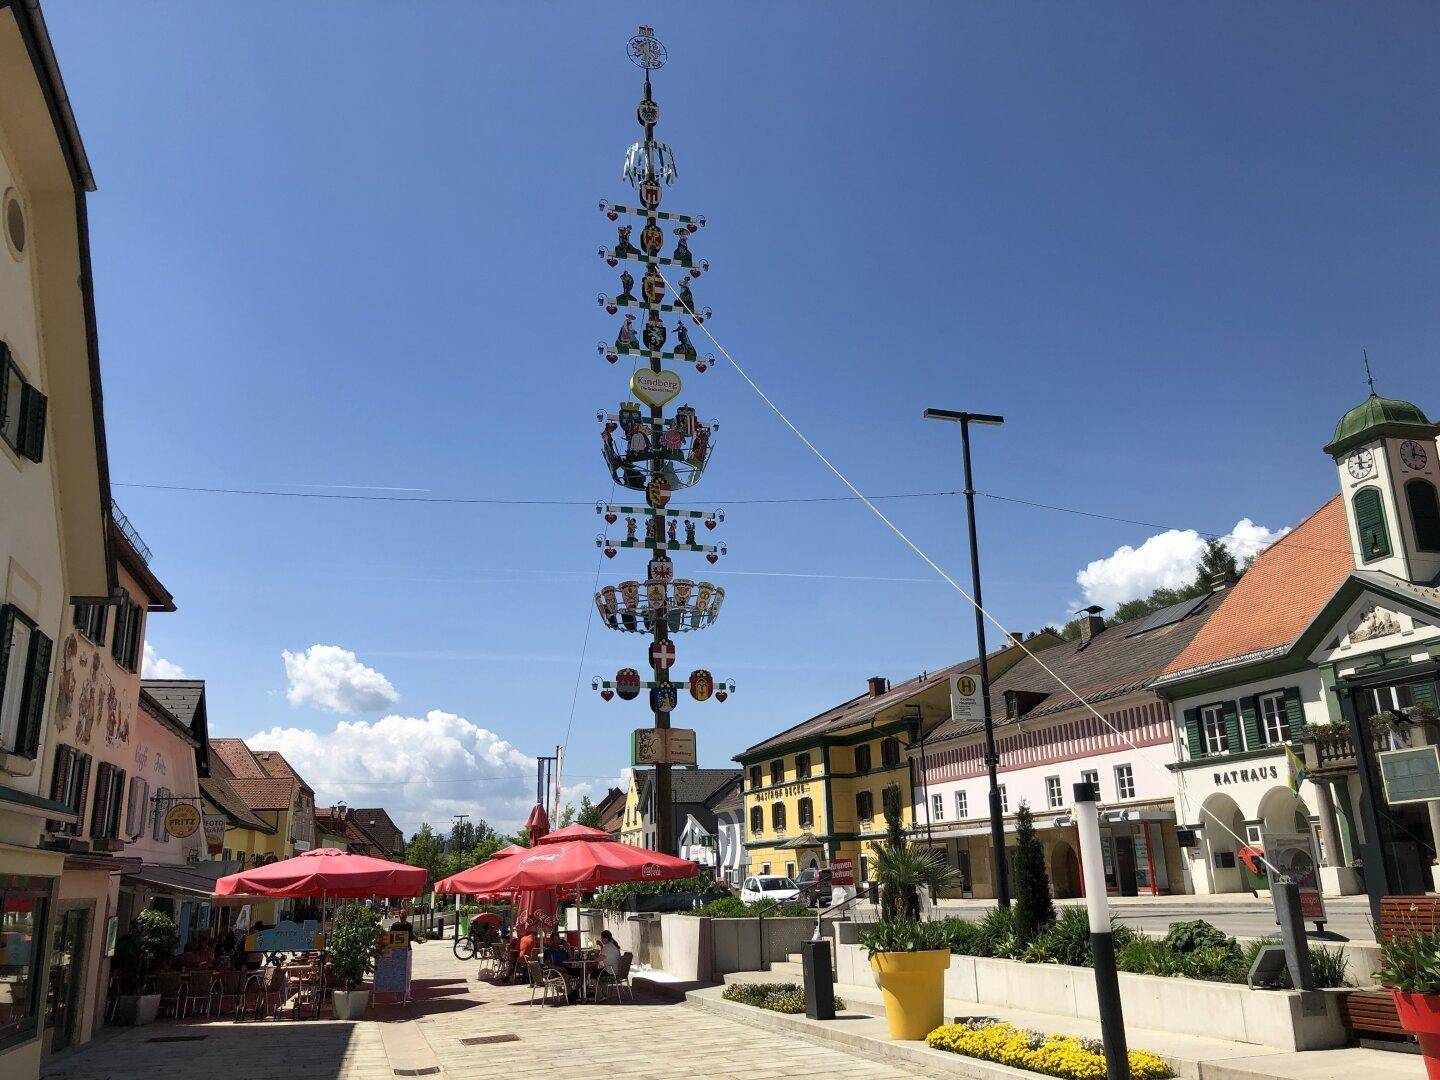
[1372, 1012]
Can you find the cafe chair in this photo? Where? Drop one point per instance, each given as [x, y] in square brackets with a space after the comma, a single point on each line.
[173, 989]
[232, 985]
[548, 983]
[199, 989]
[622, 977]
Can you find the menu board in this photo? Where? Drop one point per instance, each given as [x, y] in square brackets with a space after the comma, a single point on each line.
[392, 972]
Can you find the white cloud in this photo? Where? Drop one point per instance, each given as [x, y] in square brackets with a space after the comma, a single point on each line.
[331, 678]
[1166, 560]
[155, 667]
[419, 768]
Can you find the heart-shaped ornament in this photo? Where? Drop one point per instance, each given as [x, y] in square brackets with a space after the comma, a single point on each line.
[610, 518]
[613, 261]
[693, 227]
[721, 695]
[700, 366]
[606, 695]
[694, 273]
[611, 357]
[709, 523]
[655, 388]
[611, 309]
[611, 425]
[609, 553]
[612, 215]
[711, 557]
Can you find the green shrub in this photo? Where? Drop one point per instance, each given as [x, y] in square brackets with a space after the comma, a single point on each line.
[997, 934]
[1410, 962]
[777, 997]
[1186, 937]
[903, 935]
[143, 949]
[961, 936]
[613, 897]
[731, 907]
[1034, 909]
[353, 944]
[1067, 941]
[1329, 966]
[1147, 956]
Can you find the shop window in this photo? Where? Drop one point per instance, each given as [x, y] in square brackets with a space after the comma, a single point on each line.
[777, 817]
[889, 753]
[962, 805]
[1274, 720]
[1217, 732]
[1124, 782]
[755, 780]
[802, 766]
[1424, 514]
[24, 915]
[937, 807]
[806, 813]
[777, 771]
[862, 758]
[864, 806]
[1054, 798]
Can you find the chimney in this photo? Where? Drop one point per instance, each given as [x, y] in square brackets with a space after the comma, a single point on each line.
[878, 685]
[1091, 624]
[1222, 579]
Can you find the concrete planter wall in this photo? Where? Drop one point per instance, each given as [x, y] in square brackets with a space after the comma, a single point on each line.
[702, 949]
[1285, 1019]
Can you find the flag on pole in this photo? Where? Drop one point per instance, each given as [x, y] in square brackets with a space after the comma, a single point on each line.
[1296, 768]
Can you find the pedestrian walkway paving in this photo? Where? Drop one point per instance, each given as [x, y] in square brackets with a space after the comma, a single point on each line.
[459, 1028]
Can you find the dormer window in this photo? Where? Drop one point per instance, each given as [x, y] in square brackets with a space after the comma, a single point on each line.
[1370, 524]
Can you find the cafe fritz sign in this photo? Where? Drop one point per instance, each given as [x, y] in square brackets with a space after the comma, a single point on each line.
[182, 820]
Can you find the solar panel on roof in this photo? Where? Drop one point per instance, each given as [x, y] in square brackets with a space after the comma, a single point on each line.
[1165, 616]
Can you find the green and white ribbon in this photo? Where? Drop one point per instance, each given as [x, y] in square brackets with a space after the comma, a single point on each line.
[658, 215]
[717, 515]
[656, 260]
[660, 545]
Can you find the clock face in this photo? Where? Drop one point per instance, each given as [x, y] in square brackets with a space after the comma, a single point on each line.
[1413, 455]
[1361, 464]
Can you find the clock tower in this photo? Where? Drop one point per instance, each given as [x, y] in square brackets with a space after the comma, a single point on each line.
[1389, 463]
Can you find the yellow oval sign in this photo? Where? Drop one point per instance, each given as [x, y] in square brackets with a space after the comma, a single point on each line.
[966, 685]
[182, 820]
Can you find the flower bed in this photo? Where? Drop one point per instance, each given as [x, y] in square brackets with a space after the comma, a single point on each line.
[777, 997]
[732, 907]
[1053, 1055]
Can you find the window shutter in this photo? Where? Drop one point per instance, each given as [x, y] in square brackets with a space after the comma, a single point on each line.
[64, 759]
[32, 424]
[102, 799]
[122, 627]
[1193, 738]
[1424, 514]
[4, 381]
[1370, 524]
[1250, 720]
[1232, 726]
[1424, 694]
[117, 800]
[1294, 712]
[79, 791]
[32, 705]
[7, 631]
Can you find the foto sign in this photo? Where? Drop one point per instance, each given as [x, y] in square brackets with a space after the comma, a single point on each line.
[965, 698]
[1410, 776]
[662, 746]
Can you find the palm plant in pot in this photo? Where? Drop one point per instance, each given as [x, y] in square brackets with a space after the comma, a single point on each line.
[140, 953]
[1410, 970]
[351, 948]
[909, 957]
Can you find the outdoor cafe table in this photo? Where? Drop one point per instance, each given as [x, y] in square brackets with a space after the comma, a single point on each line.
[584, 963]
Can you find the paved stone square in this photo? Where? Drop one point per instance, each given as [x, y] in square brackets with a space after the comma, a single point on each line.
[653, 1037]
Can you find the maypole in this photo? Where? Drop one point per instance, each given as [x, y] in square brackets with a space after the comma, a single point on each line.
[657, 455]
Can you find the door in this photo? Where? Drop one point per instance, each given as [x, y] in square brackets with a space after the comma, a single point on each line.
[962, 866]
[1125, 865]
[67, 972]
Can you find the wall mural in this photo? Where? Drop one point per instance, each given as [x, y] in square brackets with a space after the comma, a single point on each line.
[96, 699]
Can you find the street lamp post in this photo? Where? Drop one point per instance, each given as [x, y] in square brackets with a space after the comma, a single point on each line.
[997, 825]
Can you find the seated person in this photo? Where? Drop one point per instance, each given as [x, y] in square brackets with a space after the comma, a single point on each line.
[609, 954]
[556, 958]
[484, 927]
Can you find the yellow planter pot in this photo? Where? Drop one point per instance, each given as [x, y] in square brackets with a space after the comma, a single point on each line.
[913, 984]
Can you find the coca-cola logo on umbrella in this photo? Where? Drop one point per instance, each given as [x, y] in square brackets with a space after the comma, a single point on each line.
[543, 857]
[650, 870]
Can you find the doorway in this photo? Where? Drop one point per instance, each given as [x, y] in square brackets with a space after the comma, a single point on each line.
[1125, 865]
[67, 974]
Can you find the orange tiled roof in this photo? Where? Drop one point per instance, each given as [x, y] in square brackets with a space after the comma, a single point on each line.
[265, 794]
[274, 764]
[238, 759]
[1278, 596]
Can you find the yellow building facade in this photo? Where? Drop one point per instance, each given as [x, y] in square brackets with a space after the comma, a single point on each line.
[815, 792]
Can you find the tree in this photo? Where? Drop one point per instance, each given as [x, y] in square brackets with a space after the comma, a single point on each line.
[567, 815]
[1215, 564]
[424, 850]
[901, 869]
[1034, 909]
[589, 814]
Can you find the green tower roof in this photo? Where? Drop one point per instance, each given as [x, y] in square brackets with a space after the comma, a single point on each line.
[1379, 416]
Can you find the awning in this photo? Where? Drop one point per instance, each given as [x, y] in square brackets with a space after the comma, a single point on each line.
[804, 840]
[194, 879]
[22, 802]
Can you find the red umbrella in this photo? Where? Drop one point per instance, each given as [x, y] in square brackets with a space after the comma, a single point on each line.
[573, 832]
[326, 872]
[445, 886]
[579, 865]
[538, 823]
[508, 850]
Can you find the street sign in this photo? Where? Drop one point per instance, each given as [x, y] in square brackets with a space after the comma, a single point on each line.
[1411, 776]
[965, 698]
[662, 746]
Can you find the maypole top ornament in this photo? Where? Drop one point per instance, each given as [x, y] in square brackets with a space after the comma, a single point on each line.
[646, 50]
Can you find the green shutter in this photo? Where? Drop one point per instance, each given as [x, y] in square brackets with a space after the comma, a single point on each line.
[4, 382]
[1294, 712]
[1424, 514]
[1370, 524]
[7, 631]
[1193, 737]
[32, 424]
[1250, 721]
[32, 705]
[1423, 693]
[1232, 726]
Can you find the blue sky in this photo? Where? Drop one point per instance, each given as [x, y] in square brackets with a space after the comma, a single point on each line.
[349, 249]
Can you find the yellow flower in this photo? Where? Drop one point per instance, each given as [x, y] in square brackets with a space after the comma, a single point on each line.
[1062, 1056]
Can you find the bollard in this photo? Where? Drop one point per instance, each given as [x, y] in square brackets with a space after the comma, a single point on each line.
[1102, 939]
[1292, 931]
[819, 979]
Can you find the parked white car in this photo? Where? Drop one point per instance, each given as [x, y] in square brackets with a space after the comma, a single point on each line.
[775, 887]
